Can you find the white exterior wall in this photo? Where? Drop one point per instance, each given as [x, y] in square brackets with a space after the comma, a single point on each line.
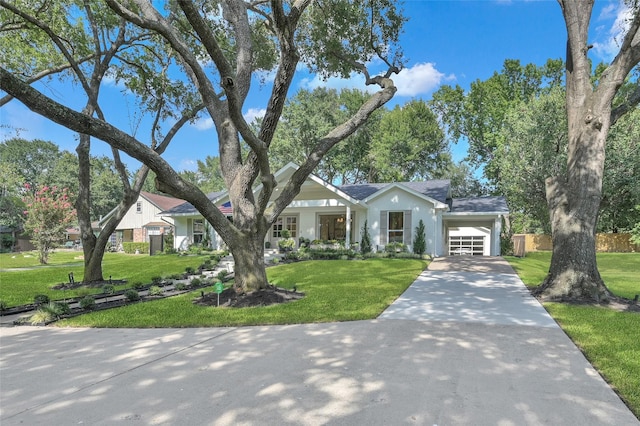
[397, 200]
[181, 234]
[149, 213]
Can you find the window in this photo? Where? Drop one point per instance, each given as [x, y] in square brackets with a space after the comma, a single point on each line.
[285, 222]
[396, 227]
[198, 231]
[153, 230]
[139, 207]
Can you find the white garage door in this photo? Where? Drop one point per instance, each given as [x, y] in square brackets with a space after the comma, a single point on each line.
[469, 245]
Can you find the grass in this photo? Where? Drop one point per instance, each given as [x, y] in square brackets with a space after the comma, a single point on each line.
[335, 291]
[609, 339]
[18, 286]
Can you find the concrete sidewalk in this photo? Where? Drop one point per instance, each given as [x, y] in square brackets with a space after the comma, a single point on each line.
[391, 372]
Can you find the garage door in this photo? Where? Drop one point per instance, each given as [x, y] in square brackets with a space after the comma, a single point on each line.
[471, 245]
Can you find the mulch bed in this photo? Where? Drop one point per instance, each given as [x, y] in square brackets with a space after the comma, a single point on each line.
[263, 297]
[94, 284]
[615, 303]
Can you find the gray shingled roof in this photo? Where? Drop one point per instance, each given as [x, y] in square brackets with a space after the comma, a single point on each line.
[436, 189]
[187, 208]
[479, 205]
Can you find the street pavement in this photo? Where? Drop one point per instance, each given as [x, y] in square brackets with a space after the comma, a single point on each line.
[464, 345]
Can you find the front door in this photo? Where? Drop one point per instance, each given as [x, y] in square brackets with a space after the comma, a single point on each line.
[283, 222]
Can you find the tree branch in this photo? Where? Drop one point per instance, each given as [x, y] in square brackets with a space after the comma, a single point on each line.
[172, 184]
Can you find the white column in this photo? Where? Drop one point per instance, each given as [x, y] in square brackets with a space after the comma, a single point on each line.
[495, 235]
[347, 241]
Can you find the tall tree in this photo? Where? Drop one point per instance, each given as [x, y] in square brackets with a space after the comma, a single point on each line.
[222, 45]
[86, 38]
[478, 115]
[574, 197]
[34, 160]
[409, 145]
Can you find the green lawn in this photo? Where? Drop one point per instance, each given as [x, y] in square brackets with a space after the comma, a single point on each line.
[619, 271]
[335, 290]
[18, 286]
[610, 340]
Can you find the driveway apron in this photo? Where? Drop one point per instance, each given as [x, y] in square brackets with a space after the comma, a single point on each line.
[451, 351]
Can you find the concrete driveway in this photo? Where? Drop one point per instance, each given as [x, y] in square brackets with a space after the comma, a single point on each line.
[447, 370]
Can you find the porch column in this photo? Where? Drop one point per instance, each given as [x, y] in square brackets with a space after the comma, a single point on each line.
[347, 241]
[497, 230]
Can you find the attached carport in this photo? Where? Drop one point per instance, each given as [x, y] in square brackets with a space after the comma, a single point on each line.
[473, 226]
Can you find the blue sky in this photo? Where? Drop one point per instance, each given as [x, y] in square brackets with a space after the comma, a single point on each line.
[445, 42]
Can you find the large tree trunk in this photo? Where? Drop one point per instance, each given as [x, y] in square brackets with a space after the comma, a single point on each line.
[248, 255]
[574, 200]
[92, 266]
[573, 274]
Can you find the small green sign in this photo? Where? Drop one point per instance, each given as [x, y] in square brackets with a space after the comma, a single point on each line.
[219, 287]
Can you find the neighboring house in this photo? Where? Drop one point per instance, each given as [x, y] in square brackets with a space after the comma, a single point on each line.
[323, 211]
[143, 219]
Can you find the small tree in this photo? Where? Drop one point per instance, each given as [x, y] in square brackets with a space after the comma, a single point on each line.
[635, 232]
[365, 242]
[49, 212]
[420, 242]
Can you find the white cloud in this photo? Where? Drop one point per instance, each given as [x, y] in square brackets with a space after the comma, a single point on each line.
[203, 123]
[254, 113]
[417, 80]
[621, 15]
[188, 164]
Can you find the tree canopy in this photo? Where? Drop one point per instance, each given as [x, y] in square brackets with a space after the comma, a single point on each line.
[215, 51]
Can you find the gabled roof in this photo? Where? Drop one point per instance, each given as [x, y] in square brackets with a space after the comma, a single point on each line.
[435, 189]
[162, 202]
[479, 205]
[187, 209]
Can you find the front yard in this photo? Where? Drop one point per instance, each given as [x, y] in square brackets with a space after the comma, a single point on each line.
[21, 277]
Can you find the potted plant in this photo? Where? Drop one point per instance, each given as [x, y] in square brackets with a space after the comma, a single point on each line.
[286, 243]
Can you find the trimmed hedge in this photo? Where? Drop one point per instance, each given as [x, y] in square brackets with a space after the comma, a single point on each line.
[131, 248]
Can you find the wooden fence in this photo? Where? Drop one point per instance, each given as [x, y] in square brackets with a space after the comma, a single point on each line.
[612, 243]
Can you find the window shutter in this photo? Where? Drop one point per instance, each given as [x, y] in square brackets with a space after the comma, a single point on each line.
[384, 226]
[407, 227]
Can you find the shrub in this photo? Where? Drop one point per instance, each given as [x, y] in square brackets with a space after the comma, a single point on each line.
[222, 275]
[168, 242]
[286, 244]
[196, 281]
[420, 242]
[156, 280]
[189, 270]
[154, 290]
[40, 299]
[275, 260]
[60, 308]
[393, 248]
[131, 248]
[42, 316]
[131, 295]
[108, 289]
[182, 286]
[138, 285]
[88, 303]
[365, 241]
[3, 305]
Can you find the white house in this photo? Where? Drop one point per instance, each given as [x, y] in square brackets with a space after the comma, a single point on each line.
[323, 211]
[143, 219]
